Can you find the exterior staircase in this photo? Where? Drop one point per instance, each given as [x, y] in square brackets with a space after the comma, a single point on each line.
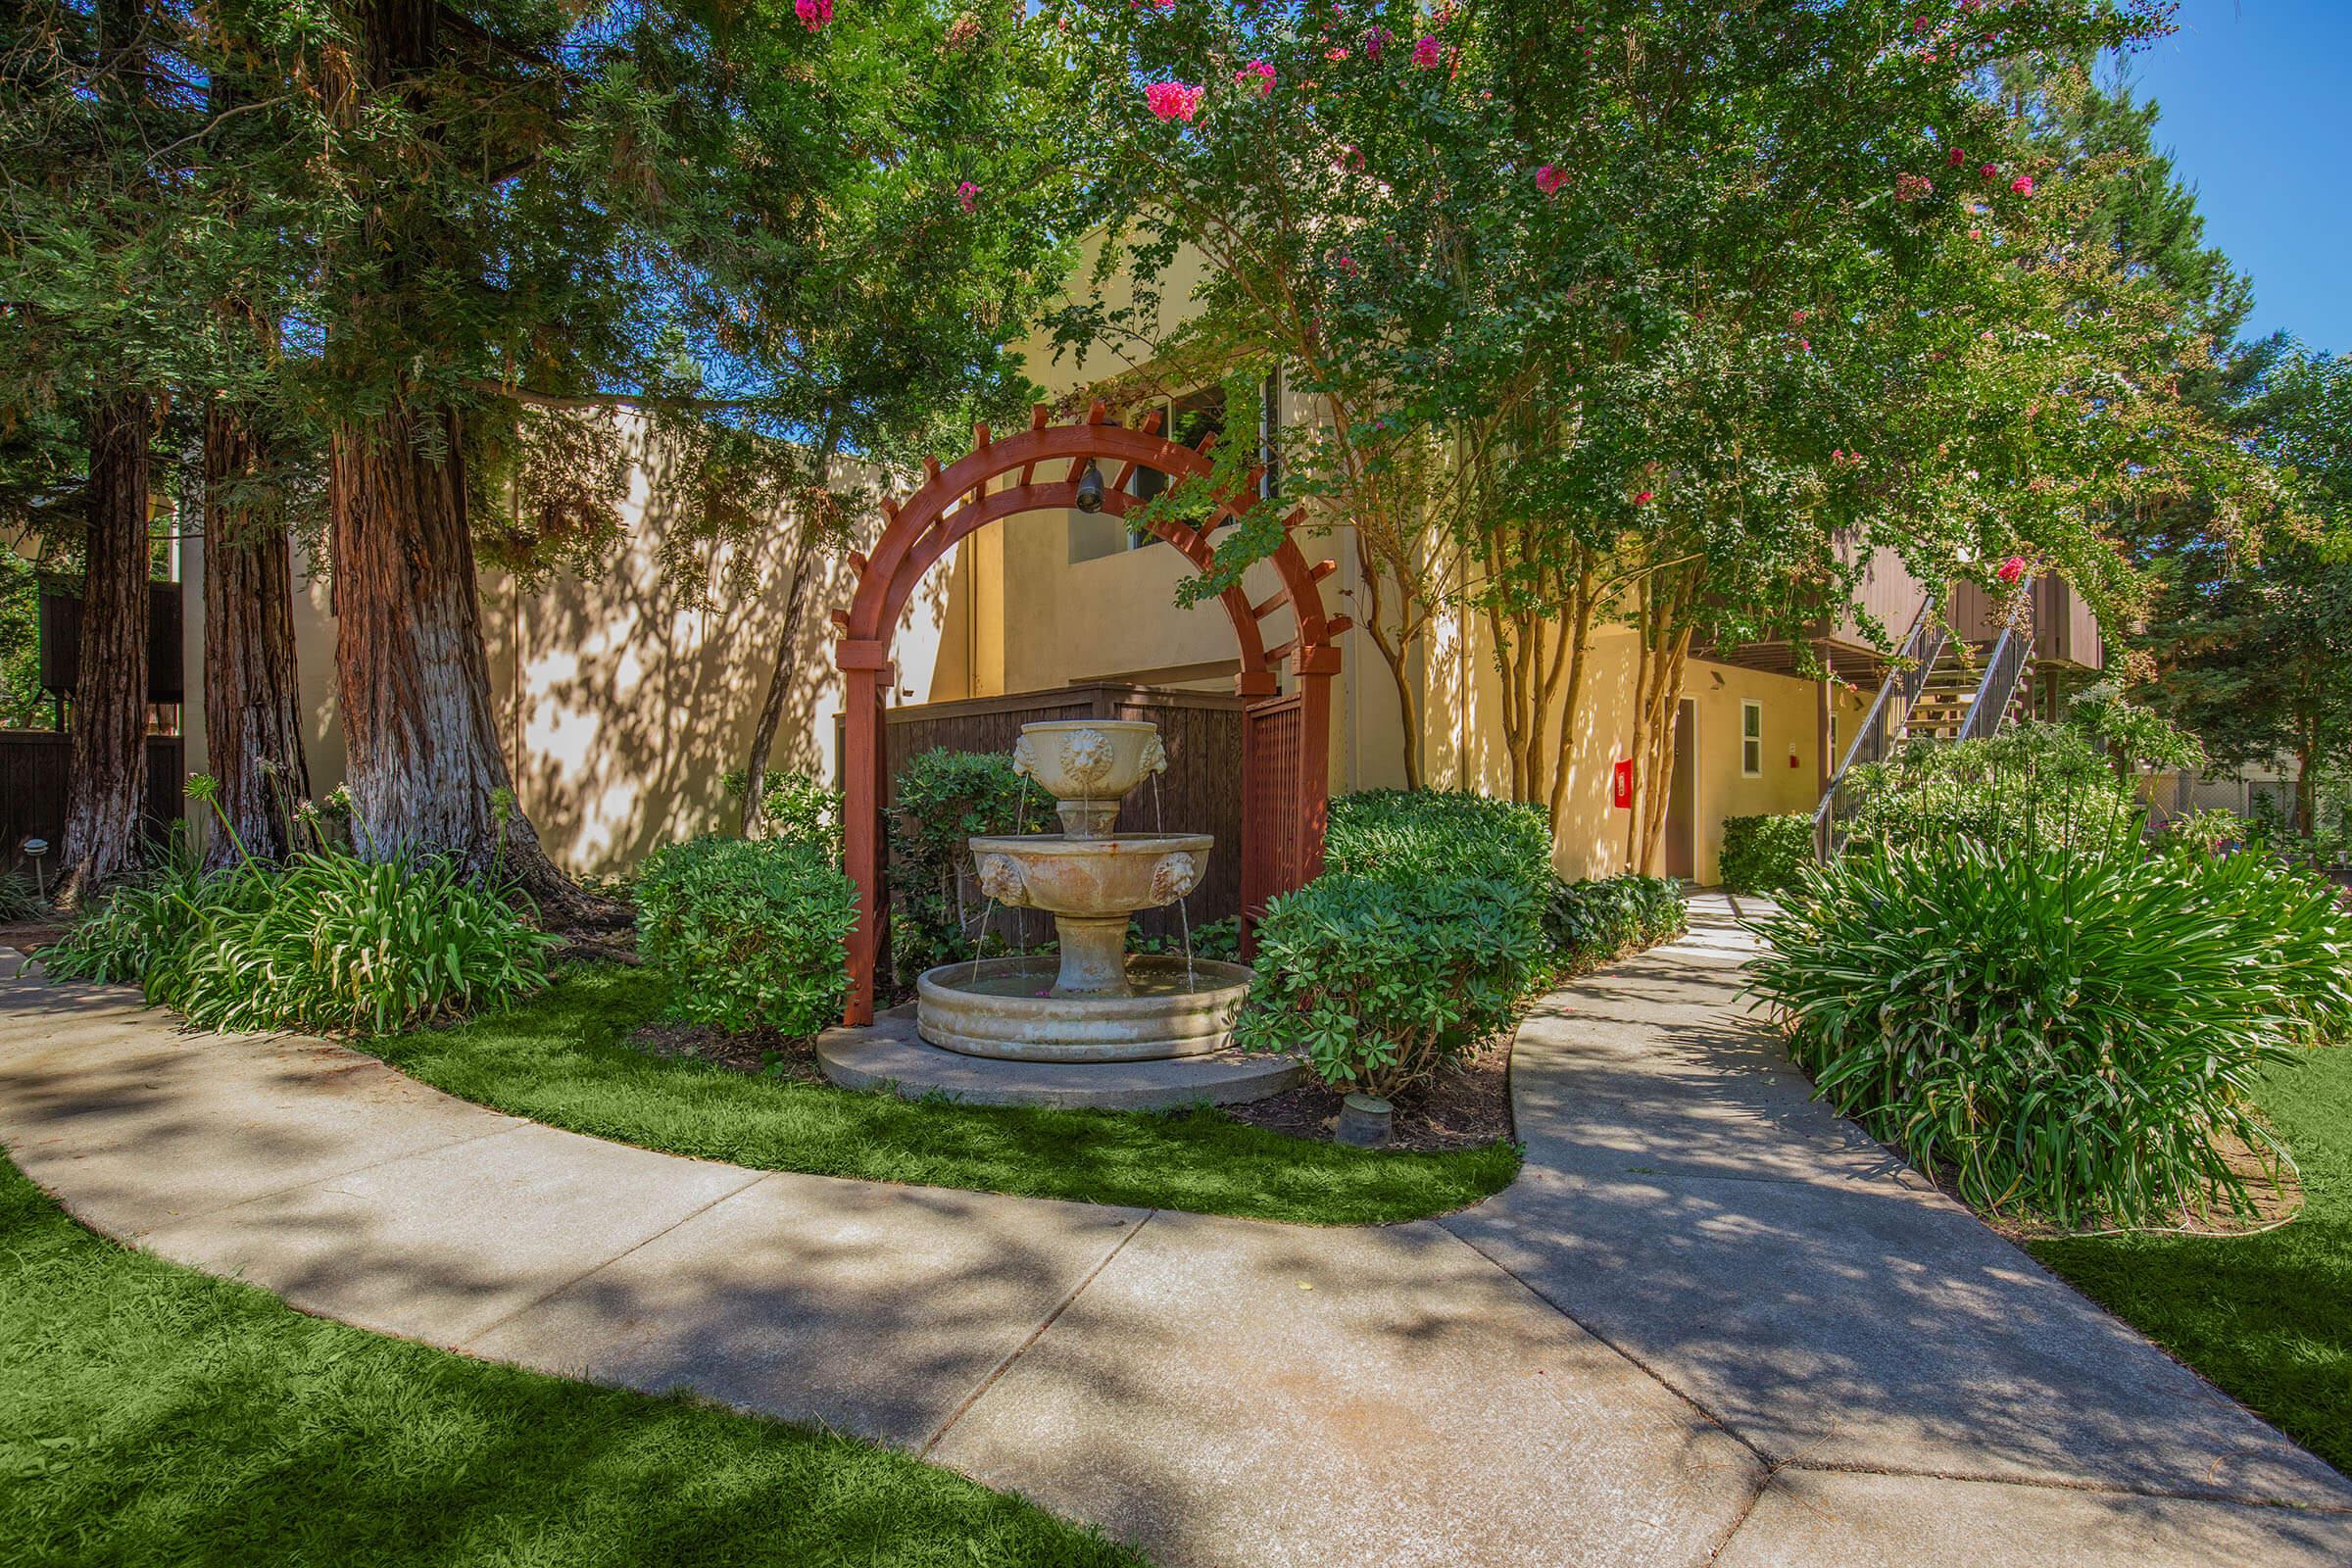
[1940, 689]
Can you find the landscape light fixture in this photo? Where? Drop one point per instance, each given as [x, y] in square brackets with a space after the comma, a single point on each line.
[1090, 488]
[35, 848]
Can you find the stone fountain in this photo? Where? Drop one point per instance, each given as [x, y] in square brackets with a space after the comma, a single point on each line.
[1092, 1001]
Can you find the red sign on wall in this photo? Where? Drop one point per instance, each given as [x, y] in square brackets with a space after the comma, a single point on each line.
[1622, 791]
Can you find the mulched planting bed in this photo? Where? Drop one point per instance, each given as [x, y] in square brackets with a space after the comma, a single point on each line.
[1468, 1105]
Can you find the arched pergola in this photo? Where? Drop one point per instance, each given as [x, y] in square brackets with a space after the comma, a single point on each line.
[1285, 737]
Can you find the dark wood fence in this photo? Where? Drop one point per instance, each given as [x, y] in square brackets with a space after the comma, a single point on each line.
[34, 766]
[1201, 792]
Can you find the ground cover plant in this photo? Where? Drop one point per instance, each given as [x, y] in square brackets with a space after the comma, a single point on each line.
[2071, 1031]
[750, 930]
[565, 1058]
[2261, 1315]
[153, 1415]
[325, 941]
[1762, 854]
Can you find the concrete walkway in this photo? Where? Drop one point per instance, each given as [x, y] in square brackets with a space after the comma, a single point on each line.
[1711, 1322]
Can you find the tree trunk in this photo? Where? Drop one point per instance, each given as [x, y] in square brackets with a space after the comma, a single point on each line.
[106, 797]
[426, 774]
[252, 700]
[779, 682]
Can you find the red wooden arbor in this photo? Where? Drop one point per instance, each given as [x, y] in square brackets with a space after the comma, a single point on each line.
[1286, 736]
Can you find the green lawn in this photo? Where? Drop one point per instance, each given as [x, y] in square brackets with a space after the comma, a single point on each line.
[563, 1058]
[2267, 1317]
[152, 1415]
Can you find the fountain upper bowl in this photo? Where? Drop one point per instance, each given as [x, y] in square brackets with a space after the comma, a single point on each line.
[1090, 878]
[1089, 759]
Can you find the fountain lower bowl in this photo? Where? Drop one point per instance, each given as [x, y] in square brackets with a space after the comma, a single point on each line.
[1004, 1008]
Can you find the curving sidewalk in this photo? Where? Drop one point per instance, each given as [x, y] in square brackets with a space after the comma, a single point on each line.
[1712, 1322]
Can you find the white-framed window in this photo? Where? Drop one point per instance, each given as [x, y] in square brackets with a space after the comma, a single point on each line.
[1836, 755]
[1751, 739]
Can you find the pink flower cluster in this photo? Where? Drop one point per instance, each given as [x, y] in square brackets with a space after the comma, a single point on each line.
[1256, 74]
[968, 194]
[1167, 100]
[1551, 177]
[1375, 41]
[1425, 51]
[814, 13]
[1913, 187]
[2012, 570]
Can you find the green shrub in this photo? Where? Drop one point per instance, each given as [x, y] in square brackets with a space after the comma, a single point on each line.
[2035, 785]
[751, 931]
[2069, 1028]
[325, 942]
[1763, 854]
[1219, 941]
[1380, 981]
[794, 805]
[1586, 924]
[1412, 835]
[940, 798]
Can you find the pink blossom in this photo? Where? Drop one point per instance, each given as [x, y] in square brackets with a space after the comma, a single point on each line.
[1167, 100]
[814, 13]
[968, 194]
[1913, 187]
[1976, 233]
[2012, 570]
[1989, 170]
[1425, 52]
[1805, 343]
[1549, 178]
[1335, 54]
[1957, 158]
[1796, 318]
[1255, 74]
[1643, 497]
[1375, 41]
[1345, 262]
[1349, 160]
[2023, 184]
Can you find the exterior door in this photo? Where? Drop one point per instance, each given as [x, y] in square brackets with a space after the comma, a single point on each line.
[1681, 842]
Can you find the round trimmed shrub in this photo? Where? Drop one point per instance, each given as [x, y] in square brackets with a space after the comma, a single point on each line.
[753, 932]
[1381, 981]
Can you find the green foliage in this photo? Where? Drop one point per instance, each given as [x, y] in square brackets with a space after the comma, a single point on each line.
[794, 805]
[941, 800]
[1763, 854]
[565, 1058]
[325, 942]
[1588, 923]
[2037, 784]
[1418, 835]
[1380, 980]
[1219, 941]
[751, 932]
[2068, 1029]
[19, 642]
[368, 1451]
[20, 897]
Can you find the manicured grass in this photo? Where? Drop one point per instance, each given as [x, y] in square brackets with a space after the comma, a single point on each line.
[152, 1415]
[2268, 1317]
[563, 1058]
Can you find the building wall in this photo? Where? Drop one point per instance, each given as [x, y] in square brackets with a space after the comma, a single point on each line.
[623, 700]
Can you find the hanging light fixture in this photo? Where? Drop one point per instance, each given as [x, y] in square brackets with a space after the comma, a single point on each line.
[1090, 488]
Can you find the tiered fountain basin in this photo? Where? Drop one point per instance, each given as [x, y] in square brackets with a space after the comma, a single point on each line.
[1089, 1001]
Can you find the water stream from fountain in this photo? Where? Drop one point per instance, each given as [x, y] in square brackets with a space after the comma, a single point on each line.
[1020, 825]
[1184, 910]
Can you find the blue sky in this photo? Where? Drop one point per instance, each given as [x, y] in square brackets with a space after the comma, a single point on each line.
[2256, 95]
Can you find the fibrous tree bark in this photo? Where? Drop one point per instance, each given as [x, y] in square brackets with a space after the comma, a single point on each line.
[252, 701]
[107, 795]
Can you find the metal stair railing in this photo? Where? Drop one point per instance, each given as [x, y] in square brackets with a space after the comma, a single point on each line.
[1883, 727]
[2012, 656]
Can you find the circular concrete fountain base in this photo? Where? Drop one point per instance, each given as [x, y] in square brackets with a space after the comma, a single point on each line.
[891, 1056]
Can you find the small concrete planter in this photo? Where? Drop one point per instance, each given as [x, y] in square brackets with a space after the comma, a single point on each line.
[1363, 1122]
